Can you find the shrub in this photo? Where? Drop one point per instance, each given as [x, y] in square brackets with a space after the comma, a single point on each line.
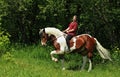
[4, 40]
[116, 54]
[8, 57]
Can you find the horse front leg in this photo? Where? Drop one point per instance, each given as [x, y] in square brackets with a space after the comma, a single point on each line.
[52, 57]
[62, 61]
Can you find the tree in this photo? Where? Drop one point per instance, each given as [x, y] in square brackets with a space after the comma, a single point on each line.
[23, 18]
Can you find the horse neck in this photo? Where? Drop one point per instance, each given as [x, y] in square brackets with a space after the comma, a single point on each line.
[53, 31]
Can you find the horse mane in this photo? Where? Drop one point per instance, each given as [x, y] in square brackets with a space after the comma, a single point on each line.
[53, 31]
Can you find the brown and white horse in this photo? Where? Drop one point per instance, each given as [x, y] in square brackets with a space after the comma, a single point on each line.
[83, 44]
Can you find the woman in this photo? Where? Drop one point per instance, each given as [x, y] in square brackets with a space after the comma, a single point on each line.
[71, 30]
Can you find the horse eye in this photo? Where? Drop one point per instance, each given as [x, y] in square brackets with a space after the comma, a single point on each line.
[43, 36]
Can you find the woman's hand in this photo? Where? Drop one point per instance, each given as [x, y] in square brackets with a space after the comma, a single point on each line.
[64, 31]
[67, 31]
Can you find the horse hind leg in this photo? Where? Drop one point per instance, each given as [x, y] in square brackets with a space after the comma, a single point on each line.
[90, 65]
[90, 62]
[84, 62]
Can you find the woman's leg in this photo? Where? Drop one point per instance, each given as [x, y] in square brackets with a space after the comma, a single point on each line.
[67, 41]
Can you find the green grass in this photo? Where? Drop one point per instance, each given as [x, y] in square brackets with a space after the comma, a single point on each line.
[34, 61]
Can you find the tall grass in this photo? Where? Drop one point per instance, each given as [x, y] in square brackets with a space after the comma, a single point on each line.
[35, 61]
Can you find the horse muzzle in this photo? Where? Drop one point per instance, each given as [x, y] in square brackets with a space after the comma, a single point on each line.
[43, 44]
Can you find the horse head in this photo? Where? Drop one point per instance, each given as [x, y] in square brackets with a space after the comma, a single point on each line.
[43, 36]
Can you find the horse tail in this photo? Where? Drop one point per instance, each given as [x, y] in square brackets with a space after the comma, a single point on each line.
[104, 53]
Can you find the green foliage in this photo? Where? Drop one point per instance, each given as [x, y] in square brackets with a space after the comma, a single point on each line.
[8, 57]
[32, 61]
[23, 18]
[4, 41]
[116, 54]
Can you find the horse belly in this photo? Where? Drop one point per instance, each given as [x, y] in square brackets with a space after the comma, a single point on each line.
[77, 44]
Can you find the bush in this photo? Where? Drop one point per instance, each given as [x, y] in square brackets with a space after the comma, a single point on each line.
[8, 57]
[116, 54]
[4, 40]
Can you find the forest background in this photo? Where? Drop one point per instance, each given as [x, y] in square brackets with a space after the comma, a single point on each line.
[22, 19]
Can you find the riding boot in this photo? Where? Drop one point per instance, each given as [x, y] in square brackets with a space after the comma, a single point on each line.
[68, 41]
[68, 44]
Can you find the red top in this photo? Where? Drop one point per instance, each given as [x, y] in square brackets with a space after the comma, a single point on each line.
[73, 25]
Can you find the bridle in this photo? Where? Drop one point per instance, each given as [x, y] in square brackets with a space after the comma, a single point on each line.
[51, 36]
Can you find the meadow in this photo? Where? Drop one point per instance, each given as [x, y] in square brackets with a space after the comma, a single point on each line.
[35, 61]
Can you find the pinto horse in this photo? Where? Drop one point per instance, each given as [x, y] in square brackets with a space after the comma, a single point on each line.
[83, 44]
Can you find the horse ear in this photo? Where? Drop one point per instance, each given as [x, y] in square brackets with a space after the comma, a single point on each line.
[40, 32]
[43, 30]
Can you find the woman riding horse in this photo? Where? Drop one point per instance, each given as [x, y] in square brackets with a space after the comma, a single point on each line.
[71, 30]
[83, 44]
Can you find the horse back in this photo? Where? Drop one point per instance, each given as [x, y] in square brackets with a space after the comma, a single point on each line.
[83, 40]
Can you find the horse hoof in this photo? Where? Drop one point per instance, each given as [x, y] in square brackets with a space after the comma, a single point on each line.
[88, 70]
[81, 70]
[63, 68]
[56, 60]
